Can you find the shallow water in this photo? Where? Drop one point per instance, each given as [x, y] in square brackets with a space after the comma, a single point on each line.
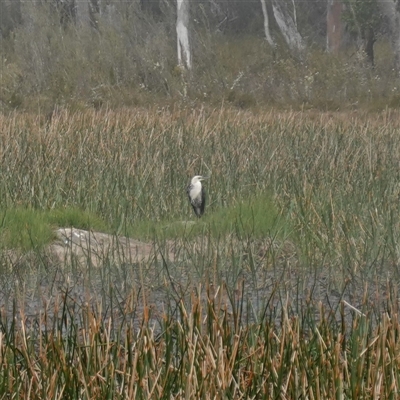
[130, 292]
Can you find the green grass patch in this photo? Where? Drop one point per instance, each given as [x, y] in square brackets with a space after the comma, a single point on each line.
[27, 228]
[256, 216]
[77, 218]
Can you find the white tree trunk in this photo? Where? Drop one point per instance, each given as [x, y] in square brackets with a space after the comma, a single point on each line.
[182, 31]
[82, 12]
[294, 14]
[266, 24]
[287, 25]
[391, 9]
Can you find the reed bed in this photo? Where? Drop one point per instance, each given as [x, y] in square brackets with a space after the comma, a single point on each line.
[200, 350]
[297, 256]
[334, 177]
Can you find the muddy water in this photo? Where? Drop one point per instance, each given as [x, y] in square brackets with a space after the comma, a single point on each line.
[125, 281]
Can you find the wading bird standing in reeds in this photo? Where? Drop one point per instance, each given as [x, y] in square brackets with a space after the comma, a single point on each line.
[197, 194]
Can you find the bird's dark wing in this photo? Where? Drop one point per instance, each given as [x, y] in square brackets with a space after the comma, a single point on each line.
[203, 200]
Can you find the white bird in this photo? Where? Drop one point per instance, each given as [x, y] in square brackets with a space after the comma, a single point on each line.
[197, 194]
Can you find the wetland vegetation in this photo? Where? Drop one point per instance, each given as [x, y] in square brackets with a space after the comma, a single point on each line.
[286, 288]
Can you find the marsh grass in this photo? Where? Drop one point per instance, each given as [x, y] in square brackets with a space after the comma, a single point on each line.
[287, 287]
[199, 349]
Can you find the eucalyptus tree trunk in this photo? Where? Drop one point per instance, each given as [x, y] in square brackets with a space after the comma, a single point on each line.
[286, 25]
[266, 24]
[391, 10]
[82, 11]
[182, 31]
[334, 26]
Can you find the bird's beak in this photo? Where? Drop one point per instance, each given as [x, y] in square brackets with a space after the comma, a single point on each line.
[203, 178]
